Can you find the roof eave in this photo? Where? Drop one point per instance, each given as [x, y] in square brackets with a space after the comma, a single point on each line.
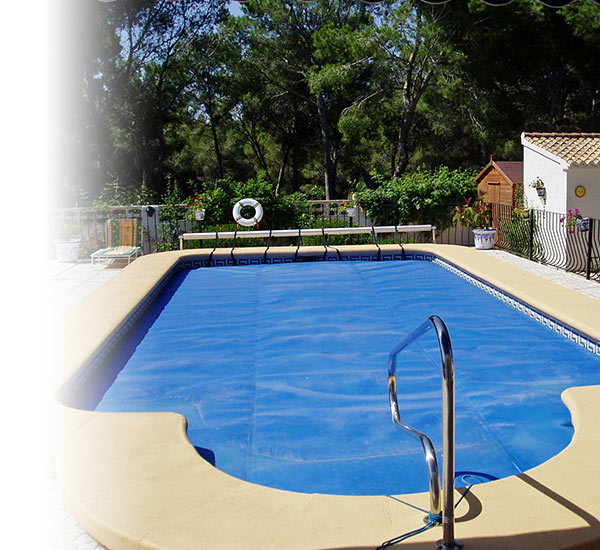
[544, 152]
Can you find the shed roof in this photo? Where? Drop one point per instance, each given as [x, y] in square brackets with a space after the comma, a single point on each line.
[512, 170]
[576, 149]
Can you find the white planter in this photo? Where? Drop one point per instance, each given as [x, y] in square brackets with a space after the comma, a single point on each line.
[351, 210]
[485, 239]
[67, 251]
[200, 214]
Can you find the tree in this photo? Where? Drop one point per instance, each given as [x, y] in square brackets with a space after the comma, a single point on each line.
[281, 42]
[413, 47]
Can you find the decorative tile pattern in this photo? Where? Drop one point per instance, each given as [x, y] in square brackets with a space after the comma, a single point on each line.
[543, 318]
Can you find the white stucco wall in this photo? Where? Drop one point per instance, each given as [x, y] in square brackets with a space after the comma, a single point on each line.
[552, 172]
[560, 181]
[588, 177]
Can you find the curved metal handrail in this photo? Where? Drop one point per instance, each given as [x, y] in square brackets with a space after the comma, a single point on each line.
[448, 542]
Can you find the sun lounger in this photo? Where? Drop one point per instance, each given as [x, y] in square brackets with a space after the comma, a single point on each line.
[123, 238]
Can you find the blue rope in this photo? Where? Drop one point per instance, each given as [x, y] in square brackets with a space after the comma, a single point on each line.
[408, 504]
[432, 520]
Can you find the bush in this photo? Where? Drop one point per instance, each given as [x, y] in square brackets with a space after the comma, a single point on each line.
[422, 197]
[279, 212]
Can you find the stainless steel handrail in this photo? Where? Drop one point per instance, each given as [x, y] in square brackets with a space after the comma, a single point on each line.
[448, 542]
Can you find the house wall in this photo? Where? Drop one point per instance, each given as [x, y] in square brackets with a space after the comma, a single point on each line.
[554, 176]
[589, 177]
[552, 172]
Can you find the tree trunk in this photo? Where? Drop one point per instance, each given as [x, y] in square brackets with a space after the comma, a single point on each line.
[327, 160]
[594, 109]
[215, 137]
[161, 149]
[402, 151]
[282, 166]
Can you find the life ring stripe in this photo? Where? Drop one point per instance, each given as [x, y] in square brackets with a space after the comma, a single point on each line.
[237, 212]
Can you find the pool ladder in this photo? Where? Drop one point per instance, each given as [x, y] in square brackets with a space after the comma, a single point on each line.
[435, 508]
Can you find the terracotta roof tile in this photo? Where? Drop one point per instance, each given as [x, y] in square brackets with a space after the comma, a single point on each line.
[574, 149]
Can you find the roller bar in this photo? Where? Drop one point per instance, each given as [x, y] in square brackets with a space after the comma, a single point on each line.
[261, 233]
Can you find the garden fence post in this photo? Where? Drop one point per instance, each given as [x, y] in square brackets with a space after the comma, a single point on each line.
[531, 234]
[145, 223]
[588, 267]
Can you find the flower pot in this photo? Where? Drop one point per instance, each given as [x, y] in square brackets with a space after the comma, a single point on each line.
[583, 224]
[67, 250]
[485, 239]
[199, 214]
[351, 210]
[541, 191]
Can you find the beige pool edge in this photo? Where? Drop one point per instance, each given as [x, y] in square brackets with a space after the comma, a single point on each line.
[135, 481]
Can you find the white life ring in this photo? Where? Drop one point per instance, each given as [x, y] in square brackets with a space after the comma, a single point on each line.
[237, 212]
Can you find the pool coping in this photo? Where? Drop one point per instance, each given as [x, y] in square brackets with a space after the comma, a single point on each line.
[128, 477]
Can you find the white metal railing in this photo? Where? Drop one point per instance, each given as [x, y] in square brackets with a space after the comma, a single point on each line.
[262, 233]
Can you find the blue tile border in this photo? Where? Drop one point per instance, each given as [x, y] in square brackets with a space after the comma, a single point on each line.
[543, 318]
[331, 256]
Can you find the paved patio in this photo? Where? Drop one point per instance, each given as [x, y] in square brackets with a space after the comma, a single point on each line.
[67, 284]
[569, 280]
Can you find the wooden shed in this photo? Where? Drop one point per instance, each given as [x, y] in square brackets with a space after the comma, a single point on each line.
[500, 180]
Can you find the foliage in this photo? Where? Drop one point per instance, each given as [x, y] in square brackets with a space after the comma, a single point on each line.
[425, 196]
[514, 232]
[520, 213]
[195, 203]
[350, 202]
[537, 183]
[279, 212]
[312, 192]
[311, 95]
[115, 194]
[476, 215]
[570, 220]
[172, 211]
[64, 230]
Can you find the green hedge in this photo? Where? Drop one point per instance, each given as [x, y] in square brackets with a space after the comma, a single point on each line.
[422, 197]
[279, 212]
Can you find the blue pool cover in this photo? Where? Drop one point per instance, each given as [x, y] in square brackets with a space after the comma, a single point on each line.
[281, 372]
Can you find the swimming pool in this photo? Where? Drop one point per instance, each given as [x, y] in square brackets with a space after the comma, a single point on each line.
[281, 374]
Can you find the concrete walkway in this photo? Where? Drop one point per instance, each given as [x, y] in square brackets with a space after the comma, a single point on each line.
[68, 284]
[569, 280]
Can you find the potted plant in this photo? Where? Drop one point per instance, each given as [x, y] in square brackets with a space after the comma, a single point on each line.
[583, 224]
[349, 206]
[521, 213]
[478, 216]
[67, 237]
[538, 185]
[196, 204]
[574, 219]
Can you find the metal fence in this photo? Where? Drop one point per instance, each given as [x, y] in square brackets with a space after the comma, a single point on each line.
[549, 238]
